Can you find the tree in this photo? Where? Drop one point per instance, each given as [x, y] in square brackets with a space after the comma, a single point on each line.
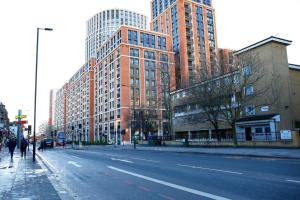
[144, 121]
[221, 100]
[246, 84]
[167, 85]
[205, 95]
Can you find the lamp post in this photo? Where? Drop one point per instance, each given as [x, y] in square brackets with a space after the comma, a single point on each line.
[35, 88]
[133, 96]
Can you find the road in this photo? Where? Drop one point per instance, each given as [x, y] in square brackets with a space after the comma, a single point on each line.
[116, 173]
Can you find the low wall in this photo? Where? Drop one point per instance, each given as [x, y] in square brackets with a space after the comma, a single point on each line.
[294, 143]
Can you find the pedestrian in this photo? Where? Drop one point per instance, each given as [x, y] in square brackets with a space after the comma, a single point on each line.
[23, 148]
[12, 142]
[64, 143]
[42, 145]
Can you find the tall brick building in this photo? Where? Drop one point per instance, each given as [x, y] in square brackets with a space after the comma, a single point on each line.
[60, 123]
[128, 82]
[80, 103]
[120, 91]
[192, 26]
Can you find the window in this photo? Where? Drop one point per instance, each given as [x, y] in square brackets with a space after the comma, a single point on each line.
[164, 57]
[161, 43]
[250, 110]
[249, 90]
[149, 55]
[267, 129]
[258, 130]
[132, 37]
[134, 52]
[247, 70]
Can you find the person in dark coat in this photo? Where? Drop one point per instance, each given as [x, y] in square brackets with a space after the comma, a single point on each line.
[42, 145]
[12, 143]
[24, 145]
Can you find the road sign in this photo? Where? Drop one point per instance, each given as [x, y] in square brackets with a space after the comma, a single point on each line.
[21, 116]
[22, 122]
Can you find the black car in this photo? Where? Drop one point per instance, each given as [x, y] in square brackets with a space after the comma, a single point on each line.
[48, 143]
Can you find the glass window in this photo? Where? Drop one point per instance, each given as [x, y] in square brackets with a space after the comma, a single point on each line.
[247, 70]
[132, 37]
[249, 90]
[250, 110]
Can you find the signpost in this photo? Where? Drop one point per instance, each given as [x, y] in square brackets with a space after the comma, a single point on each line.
[21, 116]
[20, 124]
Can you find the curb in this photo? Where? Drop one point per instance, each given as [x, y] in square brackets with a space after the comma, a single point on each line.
[220, 154]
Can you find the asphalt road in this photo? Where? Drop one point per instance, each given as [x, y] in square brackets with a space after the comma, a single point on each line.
[108, 173]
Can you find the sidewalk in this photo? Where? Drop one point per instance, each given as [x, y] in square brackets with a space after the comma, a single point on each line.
[23, 179]
[229, 151]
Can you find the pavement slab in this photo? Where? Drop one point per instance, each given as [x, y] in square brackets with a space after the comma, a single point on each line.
[23, 179]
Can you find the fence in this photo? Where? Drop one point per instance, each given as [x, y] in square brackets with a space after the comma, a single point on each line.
[241, 137]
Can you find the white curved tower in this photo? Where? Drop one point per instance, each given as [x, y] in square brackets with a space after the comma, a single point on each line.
[103, 25]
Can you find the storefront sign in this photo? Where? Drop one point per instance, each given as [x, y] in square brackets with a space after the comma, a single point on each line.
[264, 109]
[285, 134]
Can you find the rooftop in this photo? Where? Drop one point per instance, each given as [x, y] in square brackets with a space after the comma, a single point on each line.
[293, 66]
[263, 42]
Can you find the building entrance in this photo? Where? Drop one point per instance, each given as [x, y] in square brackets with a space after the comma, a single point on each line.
[248, 133]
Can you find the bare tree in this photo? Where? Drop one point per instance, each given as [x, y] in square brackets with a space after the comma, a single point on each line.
[167, 85]
[247, 84]
[205, 95]
[222, 100]
[144, 121]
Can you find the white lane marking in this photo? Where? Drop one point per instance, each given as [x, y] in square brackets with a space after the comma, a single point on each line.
[211, 169]
[122, 160]
[47, 162]
[115, 155]
[74, 163]
[293, 181]
[76, 157]
[179, 187]
[154, 161]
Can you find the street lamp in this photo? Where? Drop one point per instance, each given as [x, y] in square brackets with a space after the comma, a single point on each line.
[35, 88]
[134, 120]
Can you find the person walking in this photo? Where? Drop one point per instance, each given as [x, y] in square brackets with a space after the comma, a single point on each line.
[23, 148]
[42, 145]
[12, 142]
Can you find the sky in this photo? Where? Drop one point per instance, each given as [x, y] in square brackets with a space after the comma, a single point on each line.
[62, 51]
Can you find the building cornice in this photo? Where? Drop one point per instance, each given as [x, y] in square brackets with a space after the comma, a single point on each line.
[263, 42]
[293, 66]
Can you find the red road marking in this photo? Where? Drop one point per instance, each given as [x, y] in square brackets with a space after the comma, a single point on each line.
[128, 182]
[166, 197]
[143, 188]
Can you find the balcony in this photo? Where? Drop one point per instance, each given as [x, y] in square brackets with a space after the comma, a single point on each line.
[187, 10]
[189, 33]
[189, 41]
[188, 24]
[188, 17]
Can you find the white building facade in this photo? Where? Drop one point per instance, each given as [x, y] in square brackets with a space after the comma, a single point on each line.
[103, 25]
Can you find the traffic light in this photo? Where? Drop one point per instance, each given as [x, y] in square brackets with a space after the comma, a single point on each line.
[29, 129]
